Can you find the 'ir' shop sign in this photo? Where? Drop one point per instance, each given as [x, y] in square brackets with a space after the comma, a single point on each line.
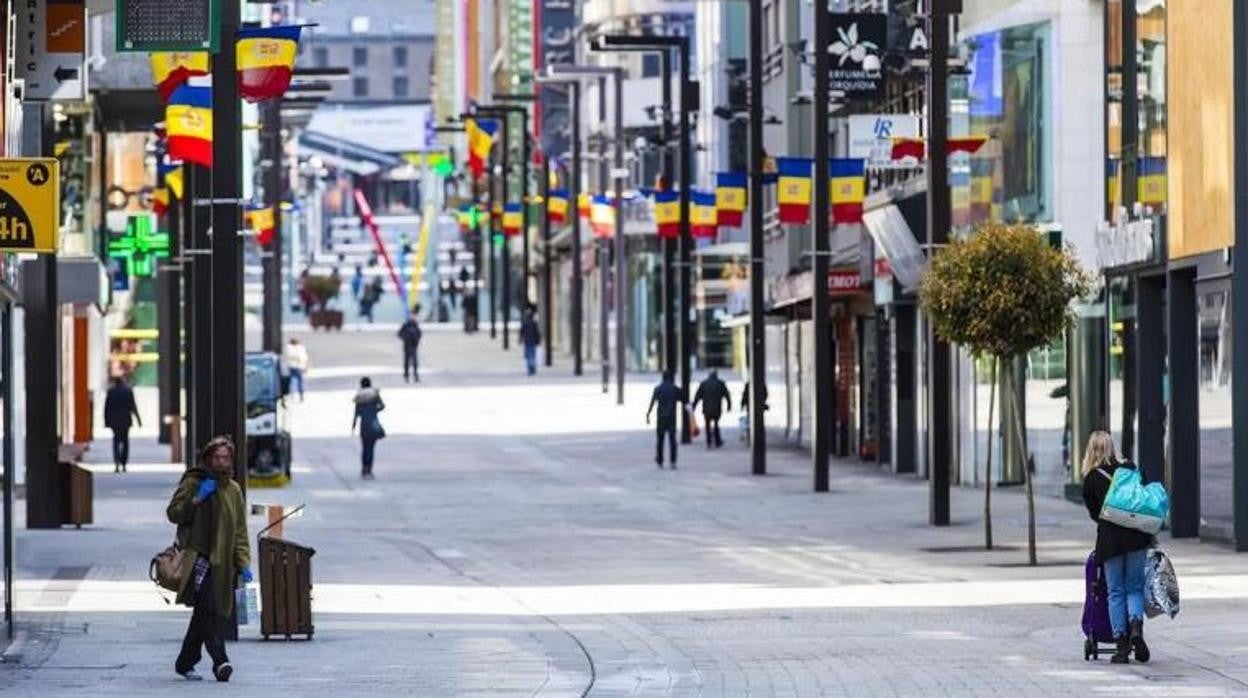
[857, 54]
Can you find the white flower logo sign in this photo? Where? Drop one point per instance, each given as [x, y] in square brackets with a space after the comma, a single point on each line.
[857, 70]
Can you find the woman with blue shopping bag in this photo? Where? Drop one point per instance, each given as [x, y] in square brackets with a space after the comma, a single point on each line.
[1122, 551]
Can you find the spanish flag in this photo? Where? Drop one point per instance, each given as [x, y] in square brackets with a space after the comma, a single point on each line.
[848, 183]
[703, 217]
[188, 119]
[602, 216]
[266, 61]
[263, 223]
[160, 200]
[1151, 181]
[480, 140]
[793, 190]
[170, 70]
[730, 198]
[667, 214]
[584, 204]
[513, 219]
[557, 205]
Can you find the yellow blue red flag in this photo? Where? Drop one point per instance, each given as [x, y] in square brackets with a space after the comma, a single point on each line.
[848, 183]
[188, 122]
[793, 190]
[602, 216]
[1151, 181]
[703, 216]
[480, 140]
[730, 198]
[171, 70]
[513, 219]
[557, 205]
[266, 61]
[667, 214]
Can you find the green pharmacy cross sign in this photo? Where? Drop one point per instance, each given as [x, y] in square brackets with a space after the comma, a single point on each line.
[140, 246]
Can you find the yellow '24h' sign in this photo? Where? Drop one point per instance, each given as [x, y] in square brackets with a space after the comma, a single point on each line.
[30, 204]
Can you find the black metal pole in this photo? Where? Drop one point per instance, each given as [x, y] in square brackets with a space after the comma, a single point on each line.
[199, 310]
[489, 246]
[686, 238]
[758, 354]
[525, 155]
[668, 244]
[271, 260]
[1239, 285]
[604, 250]
[169, 277]
[10, 424]
[505, 250]
[940, 419]
[621, 261]
[548, 299]
[574, 195]
[820, 302]
[227, 253]
[166, 309]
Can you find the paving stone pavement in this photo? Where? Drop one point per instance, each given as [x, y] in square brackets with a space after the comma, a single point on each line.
[519, 541]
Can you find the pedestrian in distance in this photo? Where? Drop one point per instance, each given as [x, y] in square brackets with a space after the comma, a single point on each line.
[470, 310]
[211, 517]
[357, 282]
[305, 293]
[410, 334]
[367, 406]
[295, 358]
[370, 296]
[669, 401]
[1121, 551]
[119, 408]
[713, 394]
[530, 338]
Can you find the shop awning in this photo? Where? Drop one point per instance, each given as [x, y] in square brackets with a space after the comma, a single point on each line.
[892, 216]
[343, 154]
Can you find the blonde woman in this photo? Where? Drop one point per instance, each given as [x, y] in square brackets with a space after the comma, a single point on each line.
[1121, 551]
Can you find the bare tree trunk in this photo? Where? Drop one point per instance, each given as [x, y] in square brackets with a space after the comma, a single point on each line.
[1020, 431]
[992, 436]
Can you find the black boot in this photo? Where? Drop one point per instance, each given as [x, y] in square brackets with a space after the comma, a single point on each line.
[1122, 654]
[1137, 640]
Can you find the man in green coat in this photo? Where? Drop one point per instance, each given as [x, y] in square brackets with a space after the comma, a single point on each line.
[209, 511]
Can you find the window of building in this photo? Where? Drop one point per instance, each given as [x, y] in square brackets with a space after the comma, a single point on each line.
[359, 87]
[400, 87]
[320, 57]
[359, 56]
[651, 65]
[400, 56]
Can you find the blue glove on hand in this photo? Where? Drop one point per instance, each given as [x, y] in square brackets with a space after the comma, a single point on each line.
[206, 488]
[247, 577]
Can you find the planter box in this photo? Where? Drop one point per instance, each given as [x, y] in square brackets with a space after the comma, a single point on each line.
[328, 319]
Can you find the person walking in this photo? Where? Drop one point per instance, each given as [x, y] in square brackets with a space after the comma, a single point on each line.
[713, 394]
[369, 298]
[295, 357]
[367, 405]
[119, 407]
[668, 399]
[1121, 551]
[211, 517]
[410, 334]
[531, 338]
[357, 282]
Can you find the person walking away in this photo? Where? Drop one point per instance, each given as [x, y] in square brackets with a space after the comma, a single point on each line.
[668, 399]
[713, 394]
[369, 298]
[295, 356]
[1121, 552]
[530, 337]
[410, 335]
[367, 405]
[211, 517]
[119, 407]
[357, 282]
[470, 309]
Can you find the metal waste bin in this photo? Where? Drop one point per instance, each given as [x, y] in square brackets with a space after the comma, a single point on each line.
[285, 587]
[77, 507]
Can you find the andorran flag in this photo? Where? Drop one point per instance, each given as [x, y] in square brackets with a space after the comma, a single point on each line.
[557, 206]
[171, 70]
[266, 61]
[480, 140]
[848, 188]
[584, 205]
[263, 223]
[602, 216]
[667, 214]
[703, 216]
[793, 190]
[513, 219]
[160, 200]
[1151, 181]
[730, 198]
[463, 216]
[188, 120]
[172, 171]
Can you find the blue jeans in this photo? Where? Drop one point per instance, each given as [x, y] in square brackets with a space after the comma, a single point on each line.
[530, 358]
[1124, 580]
[296, 381]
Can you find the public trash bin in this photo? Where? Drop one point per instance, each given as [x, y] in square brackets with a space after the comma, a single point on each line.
[78, 490]
[285, 586]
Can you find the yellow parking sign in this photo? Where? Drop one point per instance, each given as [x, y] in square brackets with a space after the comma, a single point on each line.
[30, 204]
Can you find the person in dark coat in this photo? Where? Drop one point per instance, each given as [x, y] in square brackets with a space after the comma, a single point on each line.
[713, 394]
[410, 334]
[530, 337]
[668, 399]
[211, 517]
[367, 405]
[119, 407]
[1121, 551]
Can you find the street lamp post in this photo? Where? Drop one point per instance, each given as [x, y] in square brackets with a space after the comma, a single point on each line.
[526, 157]
[820, 302]
[629, 42]
[758, 352]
